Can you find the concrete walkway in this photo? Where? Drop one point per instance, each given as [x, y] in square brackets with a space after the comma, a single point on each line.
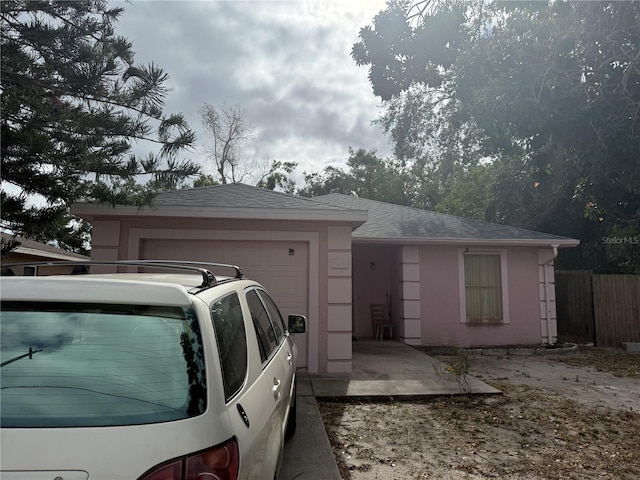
[381, 369]
[391, 369]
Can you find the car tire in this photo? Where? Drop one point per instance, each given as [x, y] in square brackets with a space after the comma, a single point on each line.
[291, 421]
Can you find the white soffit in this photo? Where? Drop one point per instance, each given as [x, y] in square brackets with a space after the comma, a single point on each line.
[467, 241]
[90, 210]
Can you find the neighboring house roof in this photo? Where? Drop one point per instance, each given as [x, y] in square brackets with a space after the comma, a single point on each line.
[40, 251]
[390, 223]
[231, 201]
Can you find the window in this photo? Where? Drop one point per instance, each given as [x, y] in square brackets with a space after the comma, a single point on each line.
[92, 365]
[274, 313]
[267, 339]
[231, 338]
[483, 294]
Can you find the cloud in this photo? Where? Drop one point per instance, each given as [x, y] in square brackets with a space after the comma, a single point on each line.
[287, 63]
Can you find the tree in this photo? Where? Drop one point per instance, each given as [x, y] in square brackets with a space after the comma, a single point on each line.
[228, 130]
[400, 56]
[470, 194]
[378, 179]
[73, 102]
[205, 181]
[330, 180]
[367, 176]
[278, 177]
[543, 95]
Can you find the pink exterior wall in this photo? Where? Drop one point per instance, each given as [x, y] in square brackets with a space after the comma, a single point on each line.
[440, 300]
[329, 310]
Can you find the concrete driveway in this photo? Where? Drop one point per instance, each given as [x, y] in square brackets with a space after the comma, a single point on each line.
[308, 454]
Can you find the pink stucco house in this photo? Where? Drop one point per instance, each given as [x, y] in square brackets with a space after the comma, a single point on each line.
[447, 280]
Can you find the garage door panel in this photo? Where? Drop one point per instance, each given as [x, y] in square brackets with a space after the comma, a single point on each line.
[282, 267]
[192, 250]
[248, 256]
[218, 254]
[282, 256]
[284, 286]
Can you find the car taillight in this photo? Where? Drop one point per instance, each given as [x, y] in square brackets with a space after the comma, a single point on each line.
[172, 471]
[220, 463]
[217, 463]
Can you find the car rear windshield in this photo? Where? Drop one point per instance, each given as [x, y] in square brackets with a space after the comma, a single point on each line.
[73, 365]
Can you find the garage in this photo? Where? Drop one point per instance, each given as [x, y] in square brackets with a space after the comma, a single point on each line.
[282, 267]
[298, 248]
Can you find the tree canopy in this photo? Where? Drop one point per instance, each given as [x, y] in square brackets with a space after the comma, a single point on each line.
[73, 105]
[228, 129]
[367, 175]
[533, 107]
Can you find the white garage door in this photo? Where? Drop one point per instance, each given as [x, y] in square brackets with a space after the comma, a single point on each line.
[282, 267]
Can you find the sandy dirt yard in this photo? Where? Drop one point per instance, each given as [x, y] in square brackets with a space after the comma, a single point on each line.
[569, 416]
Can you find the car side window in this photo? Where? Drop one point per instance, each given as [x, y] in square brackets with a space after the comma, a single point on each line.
[267, 338]
[231, 338]
[274, 313]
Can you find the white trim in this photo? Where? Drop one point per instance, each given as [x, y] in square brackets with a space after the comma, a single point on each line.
[503, 278]
[569, 242]
[46, 254]
[207, 211]
[549, 320]
[313, 238]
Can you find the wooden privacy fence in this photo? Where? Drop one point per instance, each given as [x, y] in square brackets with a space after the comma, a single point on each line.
[574, 306]
[603, 309]
[616, 309]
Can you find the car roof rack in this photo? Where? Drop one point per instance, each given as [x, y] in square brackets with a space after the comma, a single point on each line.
[203, 268]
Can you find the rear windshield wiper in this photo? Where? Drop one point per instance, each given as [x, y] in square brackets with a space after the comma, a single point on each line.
[15, 359]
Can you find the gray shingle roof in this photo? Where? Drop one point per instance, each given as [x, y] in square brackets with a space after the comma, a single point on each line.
[33, 248]
[238, 195]
[395, 221]
[373, 221]
[228, 201]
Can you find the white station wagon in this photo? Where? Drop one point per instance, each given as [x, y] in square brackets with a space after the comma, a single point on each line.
[150, 376]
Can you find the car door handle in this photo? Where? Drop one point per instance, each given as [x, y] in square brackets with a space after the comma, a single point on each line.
[290, 358]
[276, 388]
[243, 415]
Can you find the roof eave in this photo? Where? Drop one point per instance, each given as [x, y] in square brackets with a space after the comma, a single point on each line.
[34, 252]
[551, 242]
[89, 211]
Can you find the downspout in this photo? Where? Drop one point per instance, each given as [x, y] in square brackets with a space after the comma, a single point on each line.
[547, 286]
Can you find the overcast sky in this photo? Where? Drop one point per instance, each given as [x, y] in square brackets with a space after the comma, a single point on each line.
[287, 63]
